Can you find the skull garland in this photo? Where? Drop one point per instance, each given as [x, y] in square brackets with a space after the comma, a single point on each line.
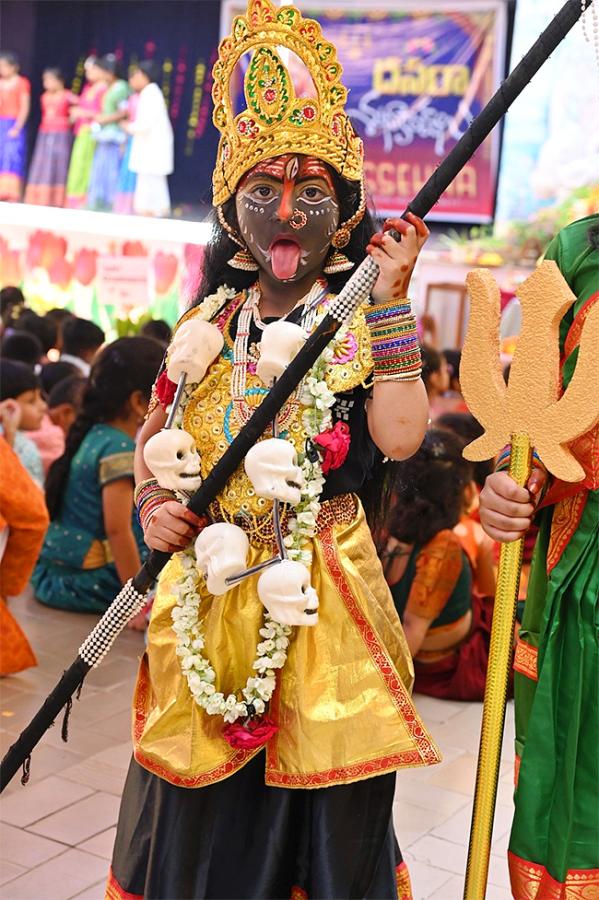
[172, 458]
[280, 342]
[287, 595]
[221, 551]
[272, 467]
[195, 345]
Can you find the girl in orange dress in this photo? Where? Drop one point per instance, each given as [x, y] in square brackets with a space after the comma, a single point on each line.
[23, 523]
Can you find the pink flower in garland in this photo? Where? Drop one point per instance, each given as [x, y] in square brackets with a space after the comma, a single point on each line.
[252, 735]
[333, 446]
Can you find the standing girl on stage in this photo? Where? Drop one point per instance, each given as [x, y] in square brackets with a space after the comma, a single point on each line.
[109, 136]
[15, 103]
[82, 115]
[125, 189]
[50, 163]
[152, 145]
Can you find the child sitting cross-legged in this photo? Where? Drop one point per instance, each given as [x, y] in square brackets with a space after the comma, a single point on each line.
[94, 543]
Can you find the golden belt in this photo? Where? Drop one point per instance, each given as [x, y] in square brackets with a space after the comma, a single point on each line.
[341, 510]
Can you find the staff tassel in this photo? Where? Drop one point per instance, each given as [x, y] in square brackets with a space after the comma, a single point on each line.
[131, 599]
[526, 413]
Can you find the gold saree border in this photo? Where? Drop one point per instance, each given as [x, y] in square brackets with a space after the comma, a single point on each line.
[404, 885]
[525, 659]
[425, 752]
[402, 878]
[565, 521]
[115, 892]
[236, 761]
[531, 881]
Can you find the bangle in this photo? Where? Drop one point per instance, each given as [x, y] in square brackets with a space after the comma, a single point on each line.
[394, 341]
[148, 498]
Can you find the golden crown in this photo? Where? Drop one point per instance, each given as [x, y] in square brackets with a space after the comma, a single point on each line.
[275, 121]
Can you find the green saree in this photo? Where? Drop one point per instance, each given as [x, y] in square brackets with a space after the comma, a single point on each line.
[554, 844]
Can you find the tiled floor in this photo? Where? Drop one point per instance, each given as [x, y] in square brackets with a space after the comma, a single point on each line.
[56, 834]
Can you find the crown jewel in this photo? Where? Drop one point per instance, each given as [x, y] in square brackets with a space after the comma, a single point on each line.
[276, 121]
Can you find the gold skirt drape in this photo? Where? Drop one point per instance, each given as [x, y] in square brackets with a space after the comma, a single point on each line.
[342, 702]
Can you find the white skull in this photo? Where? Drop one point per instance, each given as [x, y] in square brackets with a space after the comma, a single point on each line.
[194, 346]
[173, 460]
[272, 468]
[285, 591]
[280, 342]
[221, 551]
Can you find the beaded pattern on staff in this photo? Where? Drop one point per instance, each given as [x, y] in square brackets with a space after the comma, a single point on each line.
[276, 121]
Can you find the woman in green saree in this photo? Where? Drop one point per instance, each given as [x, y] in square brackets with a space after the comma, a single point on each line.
[554, 844]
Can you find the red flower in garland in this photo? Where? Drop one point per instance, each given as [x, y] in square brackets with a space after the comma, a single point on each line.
[165, 390]
[252, 735]
[333, 446]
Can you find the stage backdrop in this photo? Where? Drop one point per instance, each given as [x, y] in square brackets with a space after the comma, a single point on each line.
[181, 35]
[417, 74]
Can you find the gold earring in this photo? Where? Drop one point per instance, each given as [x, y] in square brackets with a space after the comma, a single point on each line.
[243, 260]
[342, 236]
[337, 262]
[229, 228]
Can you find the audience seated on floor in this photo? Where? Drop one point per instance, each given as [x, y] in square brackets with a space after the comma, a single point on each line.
[23, 522]
[446, 622]
[18, 382]
[94, 543]
[22, 347]
[81, 340]
[64, 403]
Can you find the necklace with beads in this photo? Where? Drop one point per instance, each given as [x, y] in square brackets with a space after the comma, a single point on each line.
[249, 313]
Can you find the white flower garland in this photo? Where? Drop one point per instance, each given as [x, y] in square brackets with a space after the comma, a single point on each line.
[271, 652]
[270, 655]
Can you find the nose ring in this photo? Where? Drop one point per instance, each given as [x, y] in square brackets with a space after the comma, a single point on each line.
[298, 219]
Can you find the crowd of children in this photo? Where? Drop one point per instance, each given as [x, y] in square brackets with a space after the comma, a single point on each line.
[72, 423]
[68, 426]
[109, 148]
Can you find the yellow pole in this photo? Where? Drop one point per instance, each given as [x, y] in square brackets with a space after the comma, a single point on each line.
[498, 671]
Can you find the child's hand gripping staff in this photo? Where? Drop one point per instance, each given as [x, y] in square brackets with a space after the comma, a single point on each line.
[171, 455]
[527, 413]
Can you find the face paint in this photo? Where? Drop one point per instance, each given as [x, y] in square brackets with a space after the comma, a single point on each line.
[288, 212]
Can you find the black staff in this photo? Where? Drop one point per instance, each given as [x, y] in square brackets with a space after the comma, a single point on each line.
[132, 597]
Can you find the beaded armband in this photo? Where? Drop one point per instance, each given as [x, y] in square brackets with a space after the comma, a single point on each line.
[394, 341]
[148, 498]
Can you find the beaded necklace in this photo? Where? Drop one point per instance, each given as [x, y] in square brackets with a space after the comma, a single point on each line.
[241, 356]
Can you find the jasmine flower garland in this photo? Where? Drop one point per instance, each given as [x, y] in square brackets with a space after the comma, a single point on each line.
[271, 652]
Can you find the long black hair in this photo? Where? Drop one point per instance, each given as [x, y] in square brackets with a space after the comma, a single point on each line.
[221, 248]
[428, 489]
[127, 365]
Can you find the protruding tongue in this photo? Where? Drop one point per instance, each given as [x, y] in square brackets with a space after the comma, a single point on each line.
[285, 257]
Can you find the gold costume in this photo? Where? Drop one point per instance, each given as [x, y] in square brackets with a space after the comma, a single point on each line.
[342, 702]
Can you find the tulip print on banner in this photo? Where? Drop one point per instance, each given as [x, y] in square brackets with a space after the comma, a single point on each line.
[65, 271]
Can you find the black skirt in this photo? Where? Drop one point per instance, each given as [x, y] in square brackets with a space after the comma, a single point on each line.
[239, 838]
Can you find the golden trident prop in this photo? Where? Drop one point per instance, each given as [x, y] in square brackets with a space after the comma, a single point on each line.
[527, 413]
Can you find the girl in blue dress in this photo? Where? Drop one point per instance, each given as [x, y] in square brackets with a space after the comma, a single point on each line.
[94, 543]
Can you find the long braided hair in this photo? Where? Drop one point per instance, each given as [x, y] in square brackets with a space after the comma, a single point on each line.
[125, 366]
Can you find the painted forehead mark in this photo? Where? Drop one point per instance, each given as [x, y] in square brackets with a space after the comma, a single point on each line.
[311, 167]
[290, 167]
